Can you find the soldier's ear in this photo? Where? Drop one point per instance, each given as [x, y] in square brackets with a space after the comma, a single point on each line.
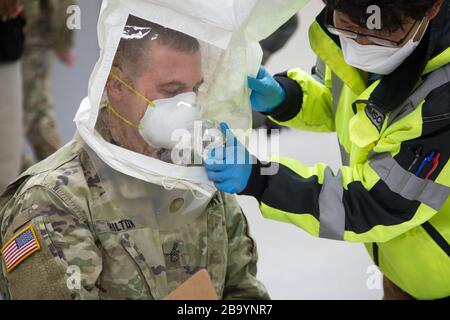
[114, 88]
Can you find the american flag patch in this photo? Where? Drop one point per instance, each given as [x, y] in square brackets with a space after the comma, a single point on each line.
[20, 247]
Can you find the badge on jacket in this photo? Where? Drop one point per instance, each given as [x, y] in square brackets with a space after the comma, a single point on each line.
[20, 247]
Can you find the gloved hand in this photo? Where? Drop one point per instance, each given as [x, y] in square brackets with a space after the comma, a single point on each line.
[267, 93]
[229, 167]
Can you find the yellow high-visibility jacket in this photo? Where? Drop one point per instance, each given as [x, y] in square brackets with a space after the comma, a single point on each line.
[392, 192]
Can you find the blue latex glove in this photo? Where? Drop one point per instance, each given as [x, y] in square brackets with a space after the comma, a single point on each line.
[267, 94]
[229, 167]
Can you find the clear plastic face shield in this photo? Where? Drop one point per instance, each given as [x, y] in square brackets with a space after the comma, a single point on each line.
[155, 97]
[153, 106]
[168, 75]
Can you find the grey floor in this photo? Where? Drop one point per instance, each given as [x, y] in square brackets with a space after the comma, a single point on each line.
[293, 265]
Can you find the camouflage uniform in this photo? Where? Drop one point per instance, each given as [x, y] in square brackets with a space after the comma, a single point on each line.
[119, 253]
[46, 31]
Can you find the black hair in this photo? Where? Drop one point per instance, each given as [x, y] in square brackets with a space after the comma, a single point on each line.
[393, 12]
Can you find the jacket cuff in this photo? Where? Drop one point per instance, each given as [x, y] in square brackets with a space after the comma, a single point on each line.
[257, 182]
[293, 102]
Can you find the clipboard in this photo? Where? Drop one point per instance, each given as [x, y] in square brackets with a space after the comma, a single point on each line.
[197, 287]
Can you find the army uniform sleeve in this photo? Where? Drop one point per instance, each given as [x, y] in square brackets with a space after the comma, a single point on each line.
[67, 263]
[61, 36]
[240, 282]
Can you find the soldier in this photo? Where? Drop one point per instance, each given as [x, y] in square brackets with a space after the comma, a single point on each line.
[74, 228]
[46, 33]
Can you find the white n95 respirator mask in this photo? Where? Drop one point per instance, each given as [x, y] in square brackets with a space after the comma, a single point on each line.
[374, 58]
[161, 121]
[165, 120]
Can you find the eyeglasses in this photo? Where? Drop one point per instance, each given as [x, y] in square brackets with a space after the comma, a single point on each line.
[371, 38]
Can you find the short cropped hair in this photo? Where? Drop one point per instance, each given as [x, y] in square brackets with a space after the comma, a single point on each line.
[136, 39]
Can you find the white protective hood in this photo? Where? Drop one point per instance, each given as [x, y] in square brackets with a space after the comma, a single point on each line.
[234, 26]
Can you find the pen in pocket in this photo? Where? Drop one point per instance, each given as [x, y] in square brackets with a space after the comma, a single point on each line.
[417, 155]
[435, 160]
[429, 157]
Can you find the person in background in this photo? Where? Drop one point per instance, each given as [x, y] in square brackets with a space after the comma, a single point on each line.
[46, 35]
[11, 47]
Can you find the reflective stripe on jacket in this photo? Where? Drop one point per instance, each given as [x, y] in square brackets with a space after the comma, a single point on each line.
[386, 194]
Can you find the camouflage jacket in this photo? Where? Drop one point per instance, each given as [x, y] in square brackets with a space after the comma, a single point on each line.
[46, 24]
[115, 252]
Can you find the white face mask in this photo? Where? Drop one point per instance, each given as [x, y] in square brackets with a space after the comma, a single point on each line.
[160, 121]
[377, 59]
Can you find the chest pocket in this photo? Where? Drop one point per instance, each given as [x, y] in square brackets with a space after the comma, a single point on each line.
[126, 272]
[185, 251]
[368, 124]
[202, 244]
[365, 129]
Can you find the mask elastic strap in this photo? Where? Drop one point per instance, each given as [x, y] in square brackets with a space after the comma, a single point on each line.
[118, 115]
[167, 186]
[170, 188]
[140, 95]
[197, 197]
